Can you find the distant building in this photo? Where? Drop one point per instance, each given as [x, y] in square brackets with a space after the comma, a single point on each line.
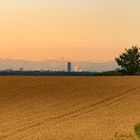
[75, 69]
[69, 67]
[21, 69]
[9, 70]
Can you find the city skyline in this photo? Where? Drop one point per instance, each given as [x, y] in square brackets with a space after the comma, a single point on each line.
[95, 30]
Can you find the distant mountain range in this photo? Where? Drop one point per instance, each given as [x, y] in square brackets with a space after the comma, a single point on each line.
[56, 65]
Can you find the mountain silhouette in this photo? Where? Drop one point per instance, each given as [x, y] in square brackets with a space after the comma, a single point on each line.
[56, 65]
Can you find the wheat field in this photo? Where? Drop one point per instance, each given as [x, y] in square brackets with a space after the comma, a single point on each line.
[68, 108]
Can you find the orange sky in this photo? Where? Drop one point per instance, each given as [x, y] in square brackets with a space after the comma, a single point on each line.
[95, 30]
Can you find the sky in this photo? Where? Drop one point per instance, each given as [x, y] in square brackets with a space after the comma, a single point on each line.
[96, 30]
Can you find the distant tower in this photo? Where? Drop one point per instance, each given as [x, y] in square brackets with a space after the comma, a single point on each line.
[21, 69]
[69, 67]
[75, 69]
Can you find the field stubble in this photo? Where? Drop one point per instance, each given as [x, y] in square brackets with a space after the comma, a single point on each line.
[53, 108]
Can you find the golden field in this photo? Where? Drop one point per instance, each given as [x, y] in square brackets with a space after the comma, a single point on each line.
[68, 108]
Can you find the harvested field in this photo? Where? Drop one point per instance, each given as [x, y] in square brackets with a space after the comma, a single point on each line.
[68, 108]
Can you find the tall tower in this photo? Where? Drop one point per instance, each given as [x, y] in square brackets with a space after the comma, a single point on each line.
[69, 67]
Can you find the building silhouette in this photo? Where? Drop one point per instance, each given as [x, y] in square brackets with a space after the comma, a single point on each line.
[69, 67]
[21, 69]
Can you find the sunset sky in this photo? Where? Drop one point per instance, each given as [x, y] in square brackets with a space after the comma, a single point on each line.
[95, 30]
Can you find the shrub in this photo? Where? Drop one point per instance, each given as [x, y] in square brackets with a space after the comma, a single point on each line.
[137, 130]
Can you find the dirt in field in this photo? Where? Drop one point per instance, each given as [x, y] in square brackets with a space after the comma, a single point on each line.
[68, 108]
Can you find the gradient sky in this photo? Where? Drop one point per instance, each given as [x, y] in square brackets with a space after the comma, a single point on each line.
[95, 30]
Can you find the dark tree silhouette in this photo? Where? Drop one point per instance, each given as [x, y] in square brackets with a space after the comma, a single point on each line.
[129, 61]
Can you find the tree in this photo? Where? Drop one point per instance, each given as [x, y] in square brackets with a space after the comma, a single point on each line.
[129, 61]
